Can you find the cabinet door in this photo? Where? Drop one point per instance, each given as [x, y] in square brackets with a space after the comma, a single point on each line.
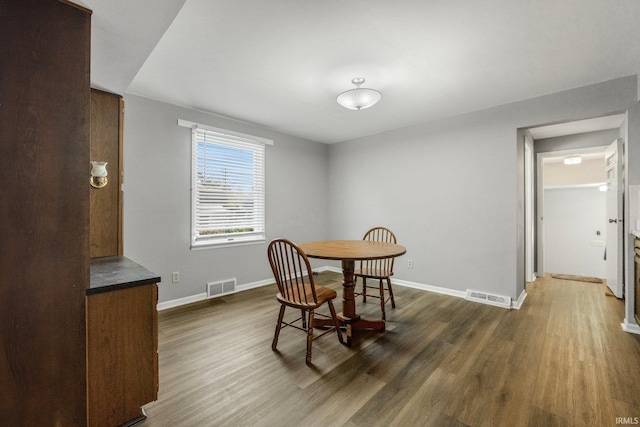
[122, 354]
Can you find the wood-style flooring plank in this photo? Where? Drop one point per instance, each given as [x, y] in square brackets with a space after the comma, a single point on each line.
[562, 360]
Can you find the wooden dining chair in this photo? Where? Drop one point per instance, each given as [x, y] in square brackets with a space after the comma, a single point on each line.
[377, 269]
[296, 289]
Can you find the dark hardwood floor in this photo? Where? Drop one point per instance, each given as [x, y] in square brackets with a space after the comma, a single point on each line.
[562, 360]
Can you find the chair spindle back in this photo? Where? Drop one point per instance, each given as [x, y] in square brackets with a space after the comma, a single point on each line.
[289, 265]
[379, 234]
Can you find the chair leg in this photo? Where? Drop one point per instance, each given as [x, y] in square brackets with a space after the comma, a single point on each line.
[274, 344]
[334, 316]
[309, 337]
[384, 317]
[393, 302]
[304, 319]
[364, 289]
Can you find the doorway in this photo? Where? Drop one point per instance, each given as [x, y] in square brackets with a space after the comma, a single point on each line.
[584, 138]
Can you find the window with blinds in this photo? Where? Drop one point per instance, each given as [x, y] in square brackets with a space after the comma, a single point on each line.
[228, 188]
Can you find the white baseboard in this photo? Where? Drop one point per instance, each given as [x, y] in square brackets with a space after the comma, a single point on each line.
[632, 328]
[424, 287]
[181, 301]
[203, 296]
[517, 304]
[254, 285]
[327, 268]
[452, 292]
[421, 286]
[430, 288]
[406, 283]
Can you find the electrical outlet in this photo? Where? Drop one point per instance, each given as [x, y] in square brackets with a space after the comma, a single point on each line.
[410, 263]
[175, 276]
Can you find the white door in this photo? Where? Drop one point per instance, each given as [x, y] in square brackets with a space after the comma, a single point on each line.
[613, 167]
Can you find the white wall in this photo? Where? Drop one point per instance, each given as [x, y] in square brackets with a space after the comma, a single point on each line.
[453, 190]
[157, 165]
[572, 218]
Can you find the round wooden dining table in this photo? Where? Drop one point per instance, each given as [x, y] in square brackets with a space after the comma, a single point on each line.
[348, 252]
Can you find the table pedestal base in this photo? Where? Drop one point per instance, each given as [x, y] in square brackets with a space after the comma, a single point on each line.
[351, 324]
[359, 324]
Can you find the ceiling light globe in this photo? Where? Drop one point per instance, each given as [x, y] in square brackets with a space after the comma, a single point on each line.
[572, 160]
[360, 97]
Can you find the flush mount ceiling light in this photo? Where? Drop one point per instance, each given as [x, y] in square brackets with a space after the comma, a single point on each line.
[360, 97]
[572, 160]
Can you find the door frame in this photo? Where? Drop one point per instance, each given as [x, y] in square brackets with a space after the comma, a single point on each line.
[629, 323]
[529, 209]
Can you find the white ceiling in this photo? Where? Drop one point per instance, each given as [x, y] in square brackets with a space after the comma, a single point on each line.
[281, 63]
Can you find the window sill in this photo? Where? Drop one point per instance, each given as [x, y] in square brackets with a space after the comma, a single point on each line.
[216, 245]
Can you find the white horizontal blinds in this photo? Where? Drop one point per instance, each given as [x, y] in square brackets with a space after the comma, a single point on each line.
[229, 188]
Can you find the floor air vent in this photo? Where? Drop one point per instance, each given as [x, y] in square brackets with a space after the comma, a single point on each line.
[224, 287]
[485, 298]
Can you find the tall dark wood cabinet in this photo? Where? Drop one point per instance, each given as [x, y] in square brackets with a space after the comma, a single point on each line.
[44, 211]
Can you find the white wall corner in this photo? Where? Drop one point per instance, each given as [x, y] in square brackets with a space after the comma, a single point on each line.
[517, 304]
[253, 285]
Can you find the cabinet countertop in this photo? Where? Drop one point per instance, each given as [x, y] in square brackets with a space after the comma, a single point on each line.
[118, 272]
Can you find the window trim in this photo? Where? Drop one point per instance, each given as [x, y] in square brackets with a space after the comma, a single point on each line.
[253, 238]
